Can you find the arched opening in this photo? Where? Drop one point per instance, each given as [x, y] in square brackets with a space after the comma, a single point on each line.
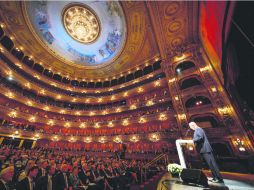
[98, 85]
[184, 66]
[148, 70]
[197, 101]
[157, 65]
[121, 80]
[221, 149]
[57, 77]
[138, 74]
[48, 73]
[106, 83]
[190, 82]
[66, 80]
[7, 43]
[38, 67]
[28, 61]
[206, 121]
[129, 77]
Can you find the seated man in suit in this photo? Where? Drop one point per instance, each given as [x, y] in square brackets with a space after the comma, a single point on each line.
[28, 182]
[62, 178]
[48, 181]
[5, 177]
[205, 150]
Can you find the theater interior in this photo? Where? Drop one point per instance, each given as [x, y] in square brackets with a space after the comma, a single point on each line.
[106, 86]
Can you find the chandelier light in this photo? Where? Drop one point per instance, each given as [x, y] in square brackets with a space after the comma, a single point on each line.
[81, 23]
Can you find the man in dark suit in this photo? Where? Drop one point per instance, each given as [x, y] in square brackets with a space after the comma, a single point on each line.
[205, 150]
[28, 182]
[124, 147]
[48, 181]
[62, 178]
[6, 176]
[42, 168]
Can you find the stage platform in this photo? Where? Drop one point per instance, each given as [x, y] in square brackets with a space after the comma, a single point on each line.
[232, 181]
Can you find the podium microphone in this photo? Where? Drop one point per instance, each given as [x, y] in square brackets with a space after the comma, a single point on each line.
[187, 132]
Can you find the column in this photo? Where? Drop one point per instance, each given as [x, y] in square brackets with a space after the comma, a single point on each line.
[33, 145]
[21, 143]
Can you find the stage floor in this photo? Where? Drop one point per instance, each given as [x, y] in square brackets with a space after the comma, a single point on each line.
[232, 181]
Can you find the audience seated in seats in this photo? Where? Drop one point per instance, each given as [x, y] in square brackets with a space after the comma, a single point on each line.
[28, 183]
[46, 169]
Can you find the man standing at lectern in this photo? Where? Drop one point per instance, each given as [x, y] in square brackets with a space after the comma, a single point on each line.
[205, 150]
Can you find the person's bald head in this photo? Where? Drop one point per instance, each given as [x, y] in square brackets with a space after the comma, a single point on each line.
[64, 168]
[7, 173]
[193, 125]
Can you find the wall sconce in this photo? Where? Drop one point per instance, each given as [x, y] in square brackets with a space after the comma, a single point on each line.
[118, 110]
[82, 125]
[67, 124]
[102, 140]
[150, 103]
[240, 144]
[58, 97]
[72, 139]
[110, 124]
[117, 140]
[163, 117]
[9, 95]
[157, 83]
[125, 122]
[42, 92]
[55, 138]
[140, 90]
[97, 125]
[171, 80]
[13, 114]
[51, 122]
[142, 120]
[134, 139]
[181, 116]
[113, 97]
[125, 94]
[32, 119]
[15, 134]
[36, 137]
[28, 85]
[133, 106]
[29, 103]
[77, 113]
[224, 110]
[213, 89]
[91, 113]
[105, 112]
[46, 108]
[206, 68]
[88, 139]
[154, 137]
[62, 111]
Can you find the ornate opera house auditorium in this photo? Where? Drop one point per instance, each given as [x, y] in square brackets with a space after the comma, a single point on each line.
[95, 94]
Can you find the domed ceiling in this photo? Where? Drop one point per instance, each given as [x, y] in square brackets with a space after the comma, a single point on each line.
[96, 40]
[85, 33]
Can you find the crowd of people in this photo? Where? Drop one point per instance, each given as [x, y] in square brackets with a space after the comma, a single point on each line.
[43, 169]
[14, 86]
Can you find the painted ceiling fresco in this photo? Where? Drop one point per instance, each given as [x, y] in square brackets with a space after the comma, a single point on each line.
[65, 27]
